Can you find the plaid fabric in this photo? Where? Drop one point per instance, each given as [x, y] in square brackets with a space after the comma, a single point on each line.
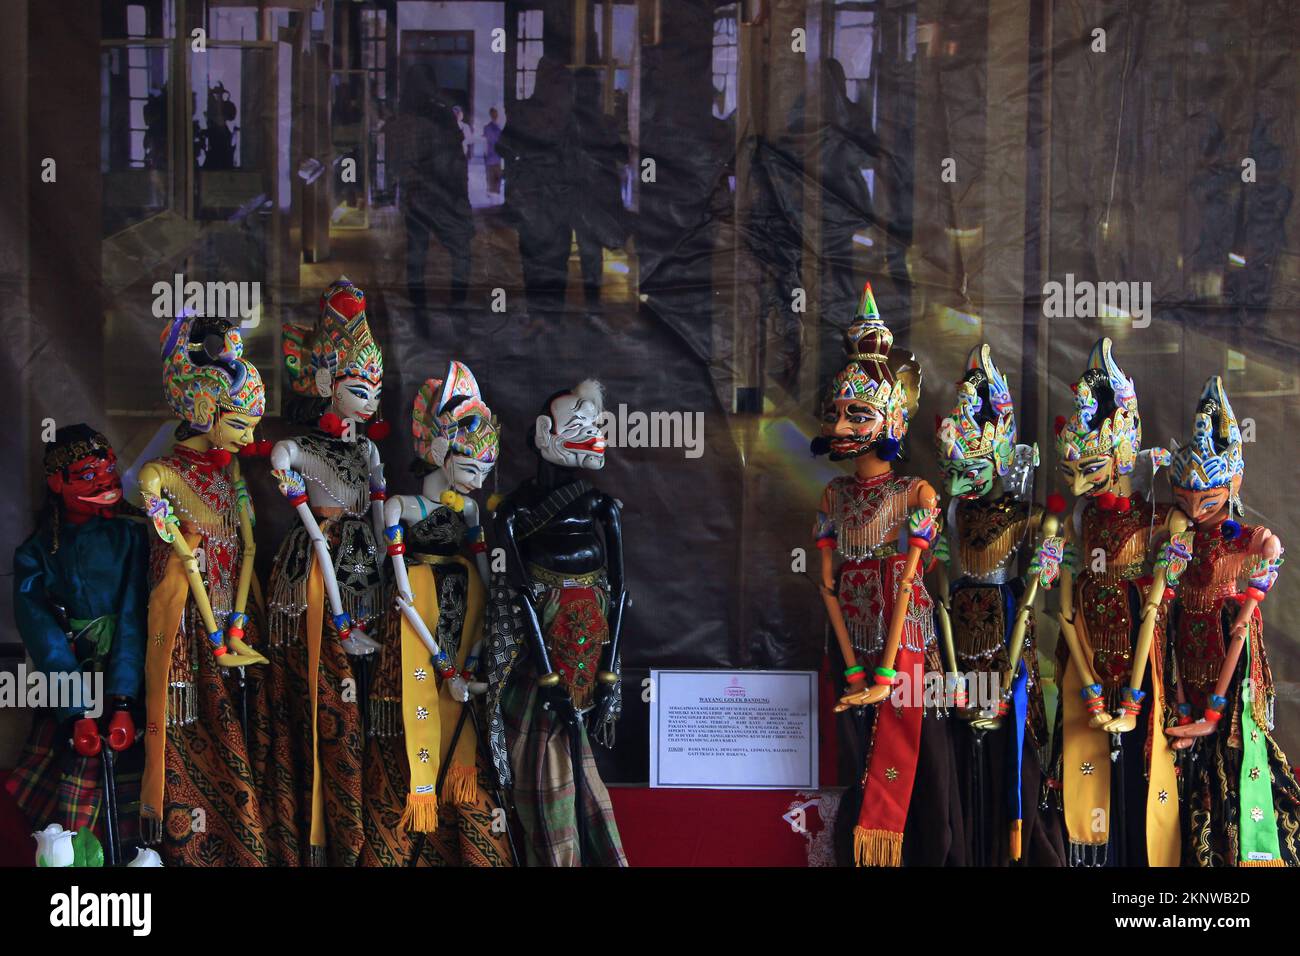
[54, 784]
[543, 788]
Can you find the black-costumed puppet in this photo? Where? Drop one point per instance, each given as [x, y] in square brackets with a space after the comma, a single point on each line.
[553, 651]
[327, 586]
[429, 666]
[988, 610]
[80, 603]
[880, 524]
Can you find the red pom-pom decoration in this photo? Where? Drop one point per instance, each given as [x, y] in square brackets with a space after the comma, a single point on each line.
[331, 424]
[264, 448]
[1123, 504]
[1056, 503]
[1106, 500]
[219, 457]
[249, 450]
[378, 431]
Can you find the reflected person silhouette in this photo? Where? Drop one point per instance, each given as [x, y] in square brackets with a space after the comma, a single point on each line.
[428, 160]
[598, 155]
[539, 193]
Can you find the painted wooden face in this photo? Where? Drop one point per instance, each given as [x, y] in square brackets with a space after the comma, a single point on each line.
[968, 477]
[233, 430]
[356, 396]
[852, 427]
[1090, 476]
[1206, 508]
[570, 436]
[89, 487]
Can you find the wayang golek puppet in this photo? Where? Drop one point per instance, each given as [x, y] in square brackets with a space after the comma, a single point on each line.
[422, 700]
[1120, 807]
[327, 587]
[880, 524]
[1241, 793]
[554, 625]
[80, 601]
[988, 611]
[196, 759]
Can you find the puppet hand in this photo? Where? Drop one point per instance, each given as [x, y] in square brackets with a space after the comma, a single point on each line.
[458, 689]
[121, 730]
[1187, 732]
[85, 737]
[358, 643]
[555, 698]
[865, 697]
[1121, 724]
[246, 653]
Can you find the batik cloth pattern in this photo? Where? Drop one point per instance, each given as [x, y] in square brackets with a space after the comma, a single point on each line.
[193, 727]
[320, 824]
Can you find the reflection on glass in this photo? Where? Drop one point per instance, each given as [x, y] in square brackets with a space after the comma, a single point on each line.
[134, 144]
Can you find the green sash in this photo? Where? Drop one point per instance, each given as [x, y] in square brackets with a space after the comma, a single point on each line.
[1259, 841]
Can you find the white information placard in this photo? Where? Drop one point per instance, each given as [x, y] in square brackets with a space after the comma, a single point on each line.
[733, 730]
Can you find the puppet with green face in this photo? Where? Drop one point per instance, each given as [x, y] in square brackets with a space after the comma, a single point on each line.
[990, 527]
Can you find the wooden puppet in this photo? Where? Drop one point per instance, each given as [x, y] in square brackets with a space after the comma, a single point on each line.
[1242, 797]
[880, 523]
[197, 794]
[421, 699]
[327, 586]
[988, 607]
[1120, 806]
[553, 652]
[80, 605]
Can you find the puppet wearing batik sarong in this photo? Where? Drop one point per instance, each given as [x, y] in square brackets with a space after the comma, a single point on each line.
[327, 587]
[1120, 805]
[80, 601]
[197, 795]
[421, 749]
[880, 524]
[1241, 793]
[553, 639]
[988, 609]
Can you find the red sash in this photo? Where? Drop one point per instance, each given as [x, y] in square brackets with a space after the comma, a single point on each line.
[891, 772]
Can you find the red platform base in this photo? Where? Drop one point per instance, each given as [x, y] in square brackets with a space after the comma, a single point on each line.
[709, 827]
[659, 828]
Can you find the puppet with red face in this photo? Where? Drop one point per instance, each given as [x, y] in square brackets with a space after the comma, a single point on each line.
[80, 599]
